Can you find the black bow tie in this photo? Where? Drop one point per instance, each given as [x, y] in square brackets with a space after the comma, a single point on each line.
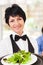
[20, 37]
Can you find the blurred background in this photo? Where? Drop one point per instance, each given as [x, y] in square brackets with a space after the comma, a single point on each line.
[34, 14]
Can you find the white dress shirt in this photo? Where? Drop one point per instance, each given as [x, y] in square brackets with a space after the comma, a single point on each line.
[6, 45]
[23, 45]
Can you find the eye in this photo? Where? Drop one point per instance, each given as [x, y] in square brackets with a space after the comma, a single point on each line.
[19, 18]
[12, 21]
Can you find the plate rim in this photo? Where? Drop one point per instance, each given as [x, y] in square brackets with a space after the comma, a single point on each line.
[20, 64]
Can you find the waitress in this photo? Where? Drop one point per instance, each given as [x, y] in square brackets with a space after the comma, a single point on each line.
[15, 18]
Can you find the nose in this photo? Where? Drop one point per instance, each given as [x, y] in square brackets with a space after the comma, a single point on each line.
[16, 22]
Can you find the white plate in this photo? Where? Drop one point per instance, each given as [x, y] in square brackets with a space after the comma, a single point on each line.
[34, 59]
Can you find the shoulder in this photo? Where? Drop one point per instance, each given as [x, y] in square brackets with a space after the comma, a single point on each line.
[39, 39]
[32, 40]
[5, 40]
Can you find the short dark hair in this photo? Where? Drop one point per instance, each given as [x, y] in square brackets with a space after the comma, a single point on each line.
[42, 29]
[14, 10]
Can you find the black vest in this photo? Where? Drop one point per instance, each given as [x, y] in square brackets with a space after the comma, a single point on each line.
[16, 48]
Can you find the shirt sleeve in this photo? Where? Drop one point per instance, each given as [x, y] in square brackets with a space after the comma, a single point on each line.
[39, 46]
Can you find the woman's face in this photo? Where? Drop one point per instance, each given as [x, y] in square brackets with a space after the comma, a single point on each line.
[16, 23]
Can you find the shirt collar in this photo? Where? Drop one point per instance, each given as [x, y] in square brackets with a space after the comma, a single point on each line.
[14, 33]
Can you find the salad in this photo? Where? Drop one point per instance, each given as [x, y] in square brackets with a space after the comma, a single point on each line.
[20, 57]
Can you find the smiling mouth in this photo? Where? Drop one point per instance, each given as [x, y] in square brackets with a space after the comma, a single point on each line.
[17, 28]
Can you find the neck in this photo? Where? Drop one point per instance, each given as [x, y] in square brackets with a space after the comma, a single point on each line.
[20, 33]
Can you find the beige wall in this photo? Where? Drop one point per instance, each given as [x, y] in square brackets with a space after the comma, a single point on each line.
[36, 13]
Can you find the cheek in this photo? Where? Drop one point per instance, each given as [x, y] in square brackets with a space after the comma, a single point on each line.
[22, 24]
[11, 25]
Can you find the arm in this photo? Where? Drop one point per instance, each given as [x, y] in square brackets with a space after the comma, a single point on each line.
[39, 46]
